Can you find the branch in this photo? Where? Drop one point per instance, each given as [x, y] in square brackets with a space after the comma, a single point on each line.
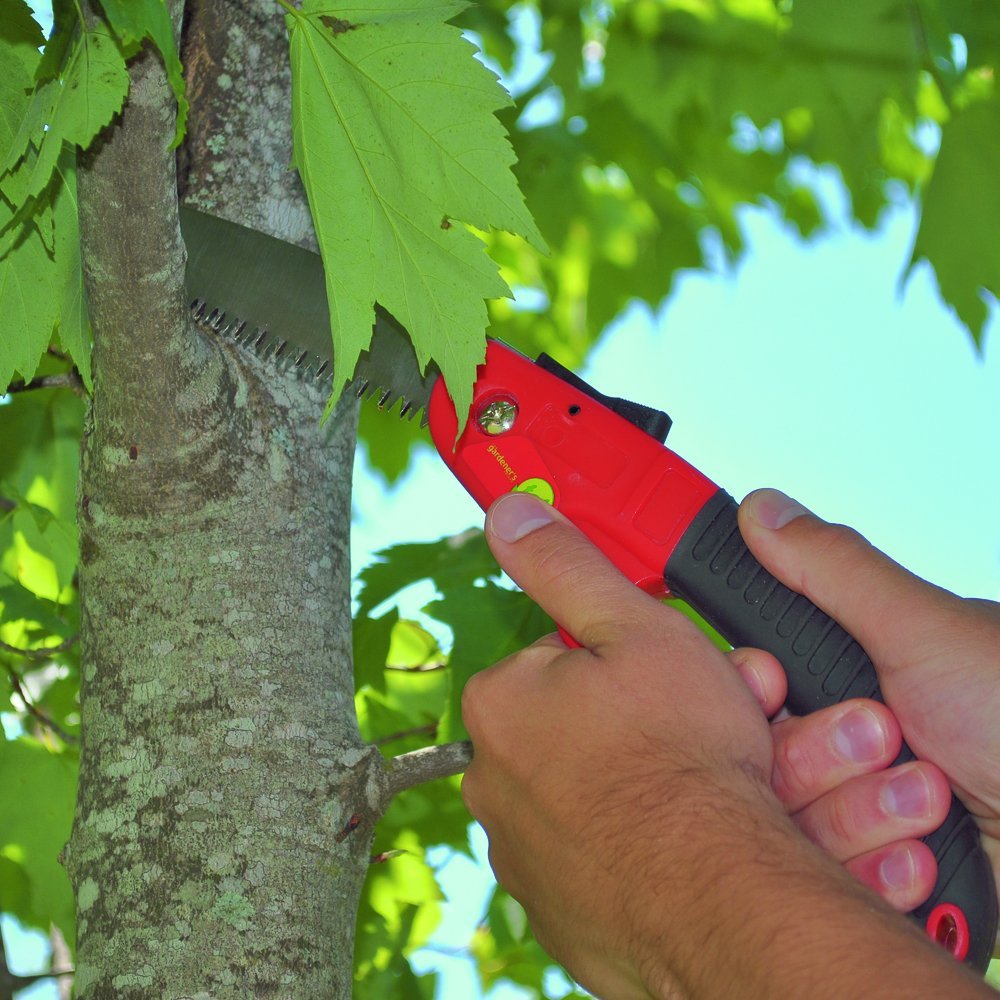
[428, 730]
[145, 351]
[427, 764]
[44, 652]
[36, 713]
[67, 380]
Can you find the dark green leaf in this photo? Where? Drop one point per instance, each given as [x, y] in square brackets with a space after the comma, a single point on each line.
[964, 198]
[454, 563]
[489, 623]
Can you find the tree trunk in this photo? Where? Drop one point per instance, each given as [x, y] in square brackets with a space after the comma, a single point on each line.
[226, 799]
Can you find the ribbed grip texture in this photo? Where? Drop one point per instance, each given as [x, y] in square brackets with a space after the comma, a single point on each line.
[714, 571]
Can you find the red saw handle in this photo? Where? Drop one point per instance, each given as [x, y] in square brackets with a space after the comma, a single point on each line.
[536, 427]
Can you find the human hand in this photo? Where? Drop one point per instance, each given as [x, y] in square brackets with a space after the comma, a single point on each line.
[938, 660]
[829, 773]
[614, 778]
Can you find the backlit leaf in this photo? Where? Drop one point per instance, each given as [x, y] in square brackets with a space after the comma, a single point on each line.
[70, 107]
[399, 148]
[957, 232]
[39, 790]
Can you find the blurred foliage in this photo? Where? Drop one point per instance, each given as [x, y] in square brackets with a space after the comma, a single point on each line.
[641, 128]
[39, 655]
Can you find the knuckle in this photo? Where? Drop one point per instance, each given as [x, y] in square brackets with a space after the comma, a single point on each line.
[796, 770]
[839, 821]
[559, 560]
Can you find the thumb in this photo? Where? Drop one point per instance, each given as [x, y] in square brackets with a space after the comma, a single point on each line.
[891, 612]
[563, 571]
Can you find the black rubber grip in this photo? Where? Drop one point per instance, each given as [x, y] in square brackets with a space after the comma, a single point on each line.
[714, 571]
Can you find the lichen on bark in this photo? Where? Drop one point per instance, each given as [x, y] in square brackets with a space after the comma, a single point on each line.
[221, 760]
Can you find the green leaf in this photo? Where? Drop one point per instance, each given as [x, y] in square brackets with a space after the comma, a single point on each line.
[39, 458]
[389, 442]
[20, 35]
[957, 233]
[27, 304]
[405, 713]
[20, 38]
[17, 604]
[489, 623]
[72, 107]
[135, 20]
[39, 790]
[454, 564]
[371, 648]
[398, 147]
[399, 910]
[433, 811]
[504, 947]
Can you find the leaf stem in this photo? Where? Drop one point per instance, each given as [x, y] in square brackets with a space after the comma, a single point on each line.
[67, 380]
[42, 653]
[289, 8]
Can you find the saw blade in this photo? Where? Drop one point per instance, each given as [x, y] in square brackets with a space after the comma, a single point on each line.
[270, 297]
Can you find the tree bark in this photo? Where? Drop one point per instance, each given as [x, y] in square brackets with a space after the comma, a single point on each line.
[226, 802]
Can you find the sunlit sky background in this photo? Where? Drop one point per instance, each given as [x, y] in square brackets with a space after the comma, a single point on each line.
[810, 367]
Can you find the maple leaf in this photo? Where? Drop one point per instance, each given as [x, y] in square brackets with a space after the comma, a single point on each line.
[398, 145]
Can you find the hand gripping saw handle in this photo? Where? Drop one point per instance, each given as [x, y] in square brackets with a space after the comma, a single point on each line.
[538, 428]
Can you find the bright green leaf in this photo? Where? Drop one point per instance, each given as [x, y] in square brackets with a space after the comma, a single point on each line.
[27, 304]
[413, 647]
[398, 147]
[39, 458]
[39, 790]
[19, 41]
[72, 107]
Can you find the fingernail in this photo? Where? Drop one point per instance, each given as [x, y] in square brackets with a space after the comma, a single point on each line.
[774, 510]
[897, 870]
[859, 736]
[906, 794]
[515, 515]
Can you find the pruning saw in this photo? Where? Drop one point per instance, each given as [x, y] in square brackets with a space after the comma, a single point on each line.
[536, 427]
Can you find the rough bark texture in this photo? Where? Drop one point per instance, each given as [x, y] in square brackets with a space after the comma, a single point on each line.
[226, 798]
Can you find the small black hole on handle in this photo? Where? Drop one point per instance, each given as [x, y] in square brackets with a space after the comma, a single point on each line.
[574, 410]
